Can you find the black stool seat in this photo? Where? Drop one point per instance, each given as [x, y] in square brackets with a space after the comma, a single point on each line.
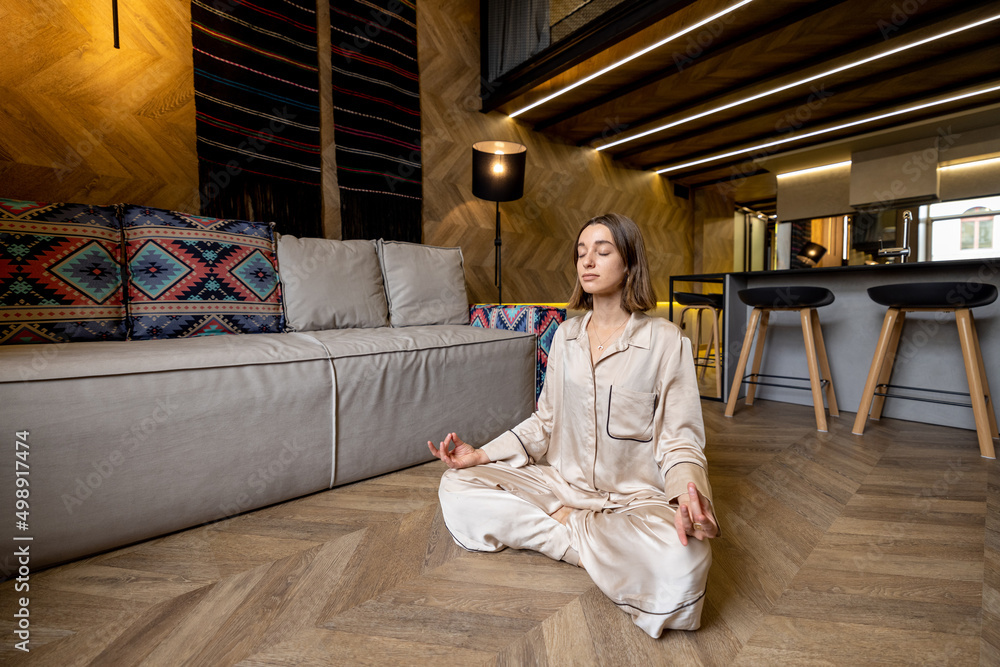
[694, 299]
[934, 295]
[805, 300]
[943, 297]
[797, 296]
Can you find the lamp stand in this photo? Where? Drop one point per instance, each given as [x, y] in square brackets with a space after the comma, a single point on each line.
[497, 272]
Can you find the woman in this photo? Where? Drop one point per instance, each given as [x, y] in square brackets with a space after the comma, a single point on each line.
[624, 484]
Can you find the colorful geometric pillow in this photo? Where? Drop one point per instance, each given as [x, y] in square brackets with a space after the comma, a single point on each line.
[194, 276]
[60, 273]
[539, 320]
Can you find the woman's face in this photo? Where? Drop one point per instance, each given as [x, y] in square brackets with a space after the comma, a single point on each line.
[599, 265]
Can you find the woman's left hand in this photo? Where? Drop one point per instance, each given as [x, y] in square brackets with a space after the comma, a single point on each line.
[694, 516]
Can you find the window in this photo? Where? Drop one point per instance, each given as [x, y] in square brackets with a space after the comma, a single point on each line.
[977, 229]
[964, 229]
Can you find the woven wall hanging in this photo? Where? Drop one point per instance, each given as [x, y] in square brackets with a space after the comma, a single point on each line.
[256, 85]
[376, 100]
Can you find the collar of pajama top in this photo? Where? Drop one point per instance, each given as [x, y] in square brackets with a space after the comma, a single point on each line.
[626, 428]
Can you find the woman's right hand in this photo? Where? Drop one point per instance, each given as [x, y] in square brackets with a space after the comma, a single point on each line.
[463, 455]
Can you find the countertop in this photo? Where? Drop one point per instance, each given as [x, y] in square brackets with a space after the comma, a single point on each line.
[992, 262]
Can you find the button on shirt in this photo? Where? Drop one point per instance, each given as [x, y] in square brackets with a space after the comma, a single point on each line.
[625, 428]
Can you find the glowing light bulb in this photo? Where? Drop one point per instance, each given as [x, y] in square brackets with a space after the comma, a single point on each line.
[498, 167]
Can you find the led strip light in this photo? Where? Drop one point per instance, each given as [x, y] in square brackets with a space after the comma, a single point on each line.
[815, 133]
[812, 170]
[808, 79]
[630, 58]
[974, 163]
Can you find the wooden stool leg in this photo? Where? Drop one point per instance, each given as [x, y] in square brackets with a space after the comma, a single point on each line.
[696, 340]
[717, 342]
[976, 390]
[990, 406]
[741, 366]
[809, 338]
[708, 349]
[875, 370]
[758, 354]
[824, 364]
[885, 375]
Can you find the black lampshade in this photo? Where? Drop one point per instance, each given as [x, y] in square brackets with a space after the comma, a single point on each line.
[811, 253]
[498, 170]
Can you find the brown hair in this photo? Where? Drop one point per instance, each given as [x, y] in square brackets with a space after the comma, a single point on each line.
[637, 293]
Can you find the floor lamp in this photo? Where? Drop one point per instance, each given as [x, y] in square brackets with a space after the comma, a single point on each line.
[498, 175]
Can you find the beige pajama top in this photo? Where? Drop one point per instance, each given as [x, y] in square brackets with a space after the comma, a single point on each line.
[626, 428]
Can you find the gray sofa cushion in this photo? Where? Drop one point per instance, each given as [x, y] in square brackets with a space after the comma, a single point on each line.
[20, 363]
[425, 284]
[198, 430]
[331, 284]
[399, 388]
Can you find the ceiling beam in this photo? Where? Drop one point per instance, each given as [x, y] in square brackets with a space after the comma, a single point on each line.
[814, 141]
[710, 52]
[782, 108]
[782, 72]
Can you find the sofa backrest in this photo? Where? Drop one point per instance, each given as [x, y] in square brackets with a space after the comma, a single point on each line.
[331, 284]
[77, 272]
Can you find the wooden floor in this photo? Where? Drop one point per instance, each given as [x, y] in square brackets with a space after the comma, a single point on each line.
[837, 550]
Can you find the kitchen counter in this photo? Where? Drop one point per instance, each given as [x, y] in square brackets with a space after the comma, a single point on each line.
[929, 354]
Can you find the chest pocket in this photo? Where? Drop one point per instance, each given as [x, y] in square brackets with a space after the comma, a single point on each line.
[630, 414]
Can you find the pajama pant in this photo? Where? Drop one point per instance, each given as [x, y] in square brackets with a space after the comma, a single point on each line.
[632, 552]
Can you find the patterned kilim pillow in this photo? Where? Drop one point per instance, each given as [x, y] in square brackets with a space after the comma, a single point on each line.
[194, 276]
[60, 273]
[539, 320]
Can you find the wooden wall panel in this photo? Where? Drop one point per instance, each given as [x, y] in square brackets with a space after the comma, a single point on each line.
[564, 186]
[82, 121]
[713, 225]
[331, 191]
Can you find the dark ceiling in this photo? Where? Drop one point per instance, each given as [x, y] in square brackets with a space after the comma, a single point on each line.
[778, 75]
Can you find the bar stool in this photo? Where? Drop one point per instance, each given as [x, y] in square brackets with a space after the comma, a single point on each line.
[805, 300]
[938, 297]
[700, 303]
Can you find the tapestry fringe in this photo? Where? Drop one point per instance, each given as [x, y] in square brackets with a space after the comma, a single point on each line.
[295, 208]
[368, 215]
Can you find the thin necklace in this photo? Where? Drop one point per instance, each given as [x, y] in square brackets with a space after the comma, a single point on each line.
[600, 343]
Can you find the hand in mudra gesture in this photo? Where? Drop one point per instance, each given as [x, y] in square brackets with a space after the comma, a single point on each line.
[695, 516]
[463, 455]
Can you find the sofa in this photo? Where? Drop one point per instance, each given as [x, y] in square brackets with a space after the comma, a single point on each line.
[164, 370]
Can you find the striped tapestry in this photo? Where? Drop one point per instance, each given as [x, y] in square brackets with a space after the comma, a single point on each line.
[256, 85]
[376, 101]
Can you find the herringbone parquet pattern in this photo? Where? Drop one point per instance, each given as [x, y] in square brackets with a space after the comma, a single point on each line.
[81, 121]
[836, 549]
